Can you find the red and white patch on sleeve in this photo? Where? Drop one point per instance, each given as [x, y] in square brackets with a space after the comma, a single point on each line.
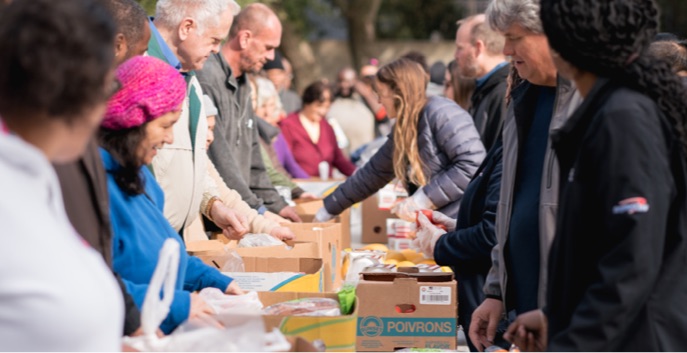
[631, 206]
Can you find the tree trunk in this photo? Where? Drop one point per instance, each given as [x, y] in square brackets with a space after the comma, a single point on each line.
[360, 16]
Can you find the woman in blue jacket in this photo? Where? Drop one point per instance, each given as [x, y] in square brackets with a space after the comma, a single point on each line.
[434, 148]
[138, 122]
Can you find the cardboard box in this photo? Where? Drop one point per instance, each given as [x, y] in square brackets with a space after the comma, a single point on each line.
[307, 211]
[401, 310]
[300, 344]
[280, 275]
[328, 237]
[338, 333]
[374, 221]
[299, 249]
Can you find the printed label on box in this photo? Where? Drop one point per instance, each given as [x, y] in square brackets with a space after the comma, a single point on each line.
[373, 326]
[433, 295]
[263, 282]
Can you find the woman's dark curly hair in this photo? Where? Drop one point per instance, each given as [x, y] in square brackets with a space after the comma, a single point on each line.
[123, 145]
[610, 38]
[55, 57]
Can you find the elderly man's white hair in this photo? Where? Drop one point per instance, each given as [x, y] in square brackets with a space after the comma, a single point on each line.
[502, 14]
[170, 13]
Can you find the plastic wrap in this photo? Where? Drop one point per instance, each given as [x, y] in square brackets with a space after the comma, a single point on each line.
[305, 307]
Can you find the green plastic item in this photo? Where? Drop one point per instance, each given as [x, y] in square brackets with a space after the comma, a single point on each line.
[347, 299]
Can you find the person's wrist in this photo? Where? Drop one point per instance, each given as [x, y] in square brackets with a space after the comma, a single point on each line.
[210, 206]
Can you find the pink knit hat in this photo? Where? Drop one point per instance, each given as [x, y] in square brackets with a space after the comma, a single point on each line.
[150, 89]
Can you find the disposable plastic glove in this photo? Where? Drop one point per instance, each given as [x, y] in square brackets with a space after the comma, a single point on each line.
[323, 216]
[426, 236]
[407, 209]
[446, 221]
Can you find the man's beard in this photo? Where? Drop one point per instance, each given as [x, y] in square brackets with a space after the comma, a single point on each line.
[345, 93]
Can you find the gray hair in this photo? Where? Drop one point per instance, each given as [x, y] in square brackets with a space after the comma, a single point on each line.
[502, 14]
[170, 13]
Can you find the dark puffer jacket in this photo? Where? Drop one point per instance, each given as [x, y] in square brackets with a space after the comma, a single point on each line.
[450, 149]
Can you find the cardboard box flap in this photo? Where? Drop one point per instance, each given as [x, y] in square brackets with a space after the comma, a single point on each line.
[275, 264]
[415, 277]
[298, 249]
[204, 246]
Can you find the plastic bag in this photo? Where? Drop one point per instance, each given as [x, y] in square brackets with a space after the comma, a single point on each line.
[239, 334]
[233, 262]
[305, 307]
[220, 302]
[357, 261]
[260, 239]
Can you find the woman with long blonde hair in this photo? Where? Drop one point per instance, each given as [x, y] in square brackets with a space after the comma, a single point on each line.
[434, 148]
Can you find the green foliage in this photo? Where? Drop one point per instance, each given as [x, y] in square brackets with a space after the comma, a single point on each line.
[402, 19]
[148, 5]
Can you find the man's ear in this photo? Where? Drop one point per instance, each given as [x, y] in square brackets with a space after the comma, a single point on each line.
[186, 26]
[244, 38]
[479, 48]
[121, 47]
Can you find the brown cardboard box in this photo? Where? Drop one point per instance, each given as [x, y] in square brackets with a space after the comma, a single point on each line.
[337, 332]
[374, 221]
[214, 247]
[275, 274]
[307, 211]
[328, 237]
[399, 310]
[300, 344]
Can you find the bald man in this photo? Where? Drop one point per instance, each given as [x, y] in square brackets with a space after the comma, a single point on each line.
[479, 55]
[350, 113]
[253, 38]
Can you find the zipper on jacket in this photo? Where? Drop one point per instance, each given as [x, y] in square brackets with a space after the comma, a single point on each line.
[552, 153]
[549, 169]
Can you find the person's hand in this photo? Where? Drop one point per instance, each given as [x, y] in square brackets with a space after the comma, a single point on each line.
[306, 196]
[446, 221]
[275, 218]
[529, 331]
[234, 225]
[426, 236]
[323, 216]
[234, 289]
[407, 209]
[282, 233]
[484, 321]
[289, 213]
[199, 308]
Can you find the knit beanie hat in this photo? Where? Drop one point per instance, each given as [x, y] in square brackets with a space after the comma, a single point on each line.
[209, 105]
[150, 89]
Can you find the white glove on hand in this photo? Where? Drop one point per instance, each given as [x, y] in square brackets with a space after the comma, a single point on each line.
[323, 216]
[407, 209]
[426, 236]
[446, 221]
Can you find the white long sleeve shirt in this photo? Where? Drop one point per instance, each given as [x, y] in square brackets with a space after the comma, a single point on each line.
[56, 293]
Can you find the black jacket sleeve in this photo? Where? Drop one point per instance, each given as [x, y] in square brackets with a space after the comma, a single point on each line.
[469, 248]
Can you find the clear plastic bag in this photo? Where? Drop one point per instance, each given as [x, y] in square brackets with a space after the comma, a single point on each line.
[233, 262]
[260, 239]
[240, 333]
[224, 303]
[305, 307]
[357, 261]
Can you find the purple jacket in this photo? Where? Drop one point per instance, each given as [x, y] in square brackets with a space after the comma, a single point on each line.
[286, 158]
